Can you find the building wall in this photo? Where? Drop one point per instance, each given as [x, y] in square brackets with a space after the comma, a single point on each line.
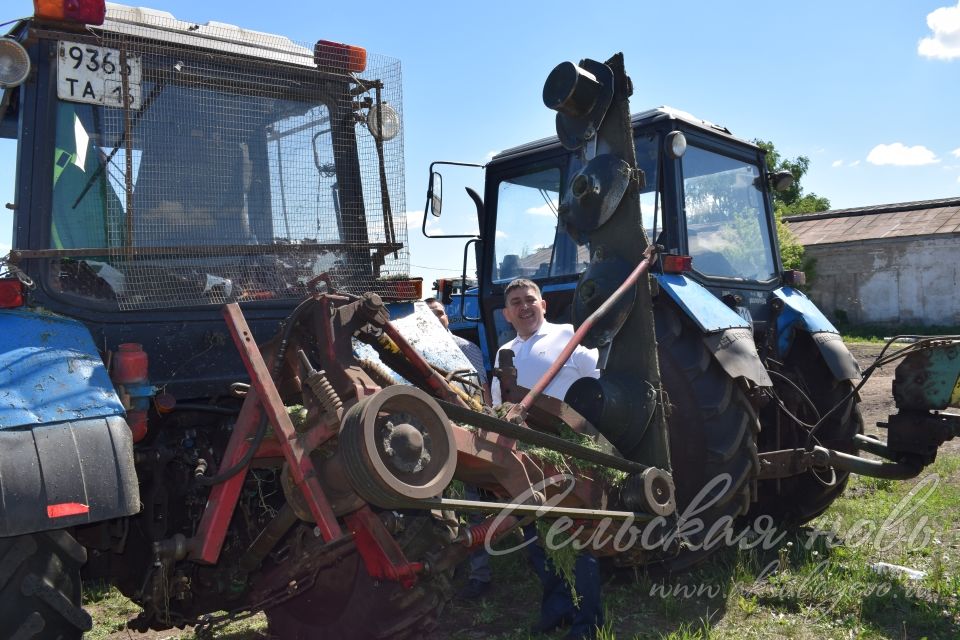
[911, 280]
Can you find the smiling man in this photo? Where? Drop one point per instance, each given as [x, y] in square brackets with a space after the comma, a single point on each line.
[538, 343]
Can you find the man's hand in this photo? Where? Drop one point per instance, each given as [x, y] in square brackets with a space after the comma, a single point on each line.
[651, 253]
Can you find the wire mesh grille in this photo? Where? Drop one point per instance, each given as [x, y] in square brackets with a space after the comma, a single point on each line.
[242, 168]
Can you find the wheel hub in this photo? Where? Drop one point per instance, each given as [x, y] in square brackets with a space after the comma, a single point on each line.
[397, 446]
[406, 447]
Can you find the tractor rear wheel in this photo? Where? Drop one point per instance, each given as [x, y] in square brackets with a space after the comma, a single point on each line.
[40, 587]
[805, 379]
[346, 603]
[713, 435]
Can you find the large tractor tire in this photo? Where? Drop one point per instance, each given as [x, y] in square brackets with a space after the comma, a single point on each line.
[799, 499]
[345, 603]
[713, 432]
[40, 587]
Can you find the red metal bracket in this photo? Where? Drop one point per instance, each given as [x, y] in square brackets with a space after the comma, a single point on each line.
[381, 554]
[262, 398]
[206, 544]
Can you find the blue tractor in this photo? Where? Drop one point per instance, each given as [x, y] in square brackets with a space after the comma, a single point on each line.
[748, 363]
[168, 171]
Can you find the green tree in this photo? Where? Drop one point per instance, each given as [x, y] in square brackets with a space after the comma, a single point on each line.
[791, 202]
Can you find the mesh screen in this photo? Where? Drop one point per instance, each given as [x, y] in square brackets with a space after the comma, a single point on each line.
[242, 169]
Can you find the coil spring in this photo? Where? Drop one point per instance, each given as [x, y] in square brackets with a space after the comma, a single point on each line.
[476, 534]
[324, 392]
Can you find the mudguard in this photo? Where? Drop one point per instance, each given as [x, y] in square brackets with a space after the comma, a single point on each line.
[50, 371]
[727, 335]
[800, 314]
[66, 452]
[67, 474]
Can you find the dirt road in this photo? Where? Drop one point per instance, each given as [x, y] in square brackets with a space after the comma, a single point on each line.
[876, 395]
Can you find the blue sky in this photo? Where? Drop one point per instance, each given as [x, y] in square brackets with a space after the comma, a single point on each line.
[869, 91]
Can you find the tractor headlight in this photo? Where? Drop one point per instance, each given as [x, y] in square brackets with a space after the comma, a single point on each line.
[14, 63]
[676, 144]
[383, 121]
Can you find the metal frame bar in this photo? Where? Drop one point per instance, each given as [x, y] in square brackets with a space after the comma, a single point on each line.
[301, 466]
[205, 546]
[262, 398]
[382, 556]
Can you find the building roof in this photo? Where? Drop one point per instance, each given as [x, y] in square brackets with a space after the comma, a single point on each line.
[923, 218]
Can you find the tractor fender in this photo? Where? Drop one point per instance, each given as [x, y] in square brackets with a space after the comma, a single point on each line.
[66, 452]
[799, 313]
[727, 335]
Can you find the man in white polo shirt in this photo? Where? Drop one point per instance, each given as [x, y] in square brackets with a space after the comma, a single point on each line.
[537, 345]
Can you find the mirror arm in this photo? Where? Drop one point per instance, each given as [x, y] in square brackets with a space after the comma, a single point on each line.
[426, 208]
[463, 281]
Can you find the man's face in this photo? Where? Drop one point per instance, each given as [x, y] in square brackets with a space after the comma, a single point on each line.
[524, 310]
[438, 311]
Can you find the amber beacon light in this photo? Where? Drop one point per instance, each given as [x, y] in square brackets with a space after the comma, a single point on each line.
[80, 11]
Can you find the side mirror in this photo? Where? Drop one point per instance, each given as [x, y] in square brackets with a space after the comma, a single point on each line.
[436, 193]
[781, 180]
[434, 203]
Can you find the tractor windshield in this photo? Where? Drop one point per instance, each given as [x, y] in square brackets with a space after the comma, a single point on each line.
[225, 179]
[727, 231]
[530, 242]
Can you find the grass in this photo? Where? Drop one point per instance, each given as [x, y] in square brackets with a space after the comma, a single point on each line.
[877, 333]
[815, 582]
[110, 610]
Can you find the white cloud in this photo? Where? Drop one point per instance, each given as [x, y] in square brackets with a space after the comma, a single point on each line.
[901, 155]
[490, 154]
[944, 44]
[956, 152]
[501, 234]
[855, 163]
[837, 163]
[415, 221]
[546, 209]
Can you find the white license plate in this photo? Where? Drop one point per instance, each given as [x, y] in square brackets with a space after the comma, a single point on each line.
[87, 73]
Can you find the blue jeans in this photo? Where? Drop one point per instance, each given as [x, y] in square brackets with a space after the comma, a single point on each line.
[557, 602]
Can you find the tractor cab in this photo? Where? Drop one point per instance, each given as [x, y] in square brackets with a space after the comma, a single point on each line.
[167, 167]
[705, 199]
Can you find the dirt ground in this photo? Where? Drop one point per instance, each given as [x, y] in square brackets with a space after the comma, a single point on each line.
[876, 395]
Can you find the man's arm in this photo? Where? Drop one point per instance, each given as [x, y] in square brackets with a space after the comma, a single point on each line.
[585, 360]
